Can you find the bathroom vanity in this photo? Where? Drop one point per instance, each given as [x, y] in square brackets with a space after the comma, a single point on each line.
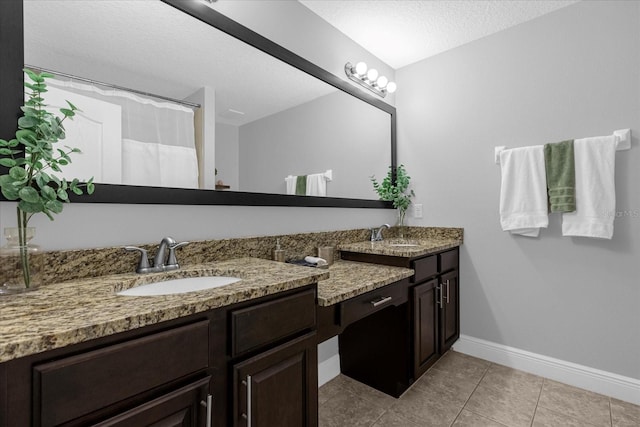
[390, 336]
[239, 355]
[76, 353]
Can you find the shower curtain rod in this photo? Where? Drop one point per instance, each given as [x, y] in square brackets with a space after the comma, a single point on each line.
[139, 92]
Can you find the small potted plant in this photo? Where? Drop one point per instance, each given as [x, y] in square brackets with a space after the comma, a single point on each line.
[32, 158]
[398, 192]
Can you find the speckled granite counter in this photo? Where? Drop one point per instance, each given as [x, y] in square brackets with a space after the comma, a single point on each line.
[349, 279]
[67, 313]
[407, 248]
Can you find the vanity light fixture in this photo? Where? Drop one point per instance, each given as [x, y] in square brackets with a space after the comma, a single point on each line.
[369, 78]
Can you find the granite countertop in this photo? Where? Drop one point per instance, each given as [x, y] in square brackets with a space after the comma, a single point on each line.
[406, 248]
[349, 279]
[66, 313]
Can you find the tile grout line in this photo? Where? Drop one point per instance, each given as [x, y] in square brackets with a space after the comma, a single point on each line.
[471, 394]
[538, 401]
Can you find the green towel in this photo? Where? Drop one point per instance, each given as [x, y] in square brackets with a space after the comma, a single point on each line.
[301, 185]
[561, 177]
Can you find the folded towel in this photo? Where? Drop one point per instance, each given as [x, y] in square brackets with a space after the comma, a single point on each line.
[523, 192]
[595, 189]
[301, 185]
[317, 184]
[291, 184]
[561, 177]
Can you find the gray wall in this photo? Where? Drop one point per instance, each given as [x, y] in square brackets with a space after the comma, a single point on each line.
[93, 225]
[336, 131]
[573, 73]
[227, 155]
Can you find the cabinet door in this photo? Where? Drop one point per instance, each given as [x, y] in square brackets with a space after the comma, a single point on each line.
[450, 312]
[426, 318]
[185, 407]
[278, 387]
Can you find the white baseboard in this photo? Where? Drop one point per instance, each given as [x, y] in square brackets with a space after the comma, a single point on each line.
[328, 369]
[607, 383]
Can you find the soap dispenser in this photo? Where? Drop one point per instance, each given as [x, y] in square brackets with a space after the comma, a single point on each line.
[278, 253]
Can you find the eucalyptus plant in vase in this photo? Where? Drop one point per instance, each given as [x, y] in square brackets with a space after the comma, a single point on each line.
[32, 158]
[397, 192]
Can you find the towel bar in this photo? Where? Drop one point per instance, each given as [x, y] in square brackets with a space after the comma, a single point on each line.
[328, 175]
[623, 142]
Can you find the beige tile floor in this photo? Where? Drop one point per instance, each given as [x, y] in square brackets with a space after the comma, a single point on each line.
[463, 391]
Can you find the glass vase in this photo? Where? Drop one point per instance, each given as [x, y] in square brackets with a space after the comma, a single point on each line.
[20, 263]
[400, 223]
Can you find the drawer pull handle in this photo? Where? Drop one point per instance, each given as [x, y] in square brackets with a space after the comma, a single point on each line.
[439, 292]
[208, 404]
[381, 301]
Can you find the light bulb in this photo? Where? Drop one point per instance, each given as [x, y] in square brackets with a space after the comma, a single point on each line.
[361, 68]
[382, 82]
[372, 75]
[391, 87]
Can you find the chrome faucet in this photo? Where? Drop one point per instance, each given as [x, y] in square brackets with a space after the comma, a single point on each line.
[162, 261]
[376, 236]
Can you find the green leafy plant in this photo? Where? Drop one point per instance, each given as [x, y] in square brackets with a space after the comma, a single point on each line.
[398, 192]
[32, 158]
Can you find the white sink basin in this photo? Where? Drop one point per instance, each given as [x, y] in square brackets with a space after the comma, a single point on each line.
[179, 286]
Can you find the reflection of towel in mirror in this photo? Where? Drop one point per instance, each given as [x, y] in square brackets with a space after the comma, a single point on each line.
[595, 189]
[523, 193]
[317, 184]
[291, 184]
[301, 185]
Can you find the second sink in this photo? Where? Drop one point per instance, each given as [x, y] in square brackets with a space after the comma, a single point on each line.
[179, 286]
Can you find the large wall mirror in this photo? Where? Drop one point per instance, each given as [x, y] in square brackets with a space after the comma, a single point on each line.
[250, 123]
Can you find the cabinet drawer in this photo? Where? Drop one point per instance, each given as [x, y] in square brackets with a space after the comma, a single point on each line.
[448, 260]
[425, 268]
[74, 386]
[263, 324]
[362, 306]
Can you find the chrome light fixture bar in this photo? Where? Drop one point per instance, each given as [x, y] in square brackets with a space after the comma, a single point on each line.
[369, 78]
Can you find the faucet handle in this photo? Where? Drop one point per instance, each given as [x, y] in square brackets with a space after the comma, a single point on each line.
[143, 265]
[173, 260]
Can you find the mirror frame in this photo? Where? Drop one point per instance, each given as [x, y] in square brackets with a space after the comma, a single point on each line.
[11, 86]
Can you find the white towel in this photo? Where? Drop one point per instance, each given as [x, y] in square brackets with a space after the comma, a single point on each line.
[291, 184]
[317, 184]
[595, 189]
[523, 193]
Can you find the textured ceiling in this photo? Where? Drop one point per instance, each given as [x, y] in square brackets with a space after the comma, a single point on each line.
[155, 48]
[401, 32]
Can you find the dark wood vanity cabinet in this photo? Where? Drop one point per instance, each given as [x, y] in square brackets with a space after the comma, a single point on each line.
[436, 307]
[178, 373]
[278, 387]
[426, 326]
[433, 317]
[449, 310]
[274, 363]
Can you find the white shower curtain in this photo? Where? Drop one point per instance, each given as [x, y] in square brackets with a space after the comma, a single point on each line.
[158, 138]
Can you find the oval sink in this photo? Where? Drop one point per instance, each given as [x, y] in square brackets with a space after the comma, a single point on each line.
[179, 286]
